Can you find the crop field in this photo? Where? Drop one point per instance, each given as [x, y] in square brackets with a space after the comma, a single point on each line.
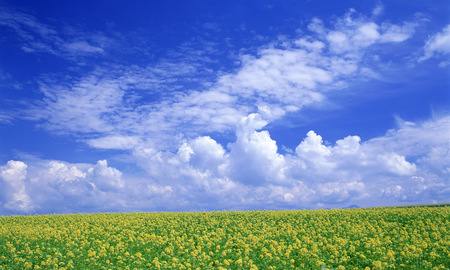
[376, 238]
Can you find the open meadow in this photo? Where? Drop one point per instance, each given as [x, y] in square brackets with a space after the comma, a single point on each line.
[372, 238]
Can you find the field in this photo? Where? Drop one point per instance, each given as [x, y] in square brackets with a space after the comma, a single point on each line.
[375, 238]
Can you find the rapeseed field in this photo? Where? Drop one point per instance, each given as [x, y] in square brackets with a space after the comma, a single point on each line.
[376, 238]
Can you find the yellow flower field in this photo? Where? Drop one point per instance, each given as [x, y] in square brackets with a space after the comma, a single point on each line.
[377, 238]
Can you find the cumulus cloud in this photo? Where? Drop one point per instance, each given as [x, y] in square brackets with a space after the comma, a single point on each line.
[313, 151]
[46, 186]
[14, 195]
[104, 177]
[59, 171]
[390, 160]
[348, 171]
[396, 164]
[254, 156]
[204, 153]
[250, 173]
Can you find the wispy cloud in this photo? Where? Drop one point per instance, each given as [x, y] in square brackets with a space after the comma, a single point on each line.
[438, 45]
[114, 142]
[38, 37]
[156, 100]
[5, 117]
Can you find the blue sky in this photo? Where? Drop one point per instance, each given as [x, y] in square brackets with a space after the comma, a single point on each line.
[219, 105]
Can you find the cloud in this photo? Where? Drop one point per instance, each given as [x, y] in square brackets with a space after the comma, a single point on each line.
[105, 178]
[37, 37]
[353, 33]
[82, 107]
[349, 170]
[437, 45]
[314, 152]
[415, 139]
[114, 142]
[14, 195]
[5, 118]
[378, 10]
[391, 160]
[159, 115]
[254, 157]
[59, 171]
[47, 186]
[397, 33]
[249, 174]
[316, 25]
[205, 154]
[83, 47]
[397, 164]
[117, 106]
[337, 192]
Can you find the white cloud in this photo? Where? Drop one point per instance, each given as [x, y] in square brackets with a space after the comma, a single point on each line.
[5, 118]
[310, 44]
[253, 157]
[415, 139]
[395, 191]
[438, 45]
[207, 154]
[15, 197]
[59, 171]
[378, 10]
[155, 189]
[37, 37]
[314, 152]
[47, 186]
[114, 142]
[83, 47]
[366, 34]
[105, 178]
[353, 34]
[148, 111]
[348, 171]
[122, 105]
[389, 160]
[202, 175]
[316, 25]
[14, 171]
[339, 42]
[397, 164]
[397, 33]
[348, 146]
[341, 192]
[81, 107]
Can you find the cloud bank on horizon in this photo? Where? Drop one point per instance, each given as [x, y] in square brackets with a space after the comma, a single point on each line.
[191, 128]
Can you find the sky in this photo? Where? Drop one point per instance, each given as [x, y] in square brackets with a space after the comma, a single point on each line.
[127, 106]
